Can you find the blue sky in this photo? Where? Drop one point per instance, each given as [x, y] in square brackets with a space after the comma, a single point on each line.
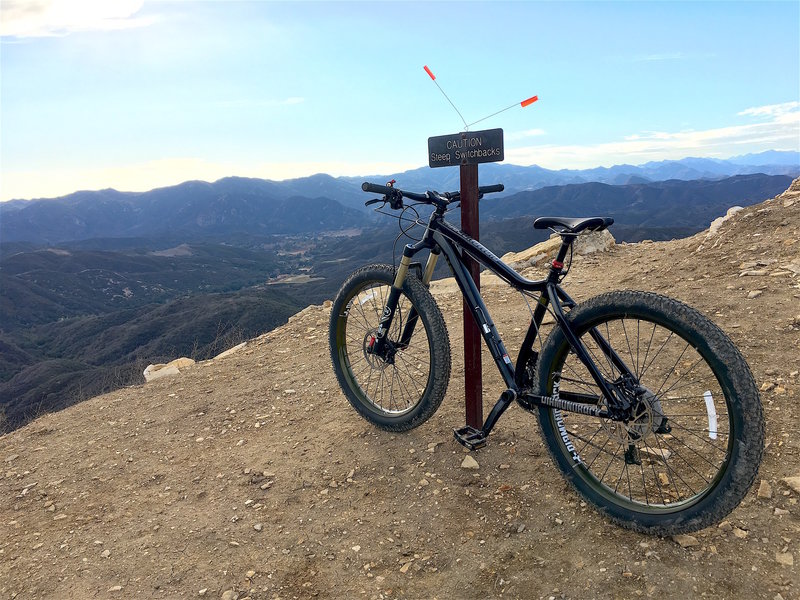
[135, 95]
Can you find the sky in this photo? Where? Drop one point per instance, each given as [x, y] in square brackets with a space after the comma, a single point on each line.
[135, 95]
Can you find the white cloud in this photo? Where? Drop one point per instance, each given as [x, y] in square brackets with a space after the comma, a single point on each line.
[42, 18]
[253, 103]
[771, 110]
[662, 56]
[521, 135]
[781, 131]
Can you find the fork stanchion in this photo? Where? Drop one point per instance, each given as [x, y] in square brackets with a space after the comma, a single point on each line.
[473, 380]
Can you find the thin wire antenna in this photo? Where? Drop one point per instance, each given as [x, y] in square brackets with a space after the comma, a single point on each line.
[433, 77]
[523, 104]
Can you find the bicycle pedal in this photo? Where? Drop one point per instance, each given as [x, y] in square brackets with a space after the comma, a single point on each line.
[470, 437]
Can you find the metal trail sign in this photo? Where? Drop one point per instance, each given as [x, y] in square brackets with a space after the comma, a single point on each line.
[465, 148]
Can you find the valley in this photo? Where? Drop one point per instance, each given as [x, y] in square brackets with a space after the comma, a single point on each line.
[83, 316]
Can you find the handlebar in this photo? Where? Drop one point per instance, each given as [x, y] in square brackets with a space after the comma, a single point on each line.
[395, 195]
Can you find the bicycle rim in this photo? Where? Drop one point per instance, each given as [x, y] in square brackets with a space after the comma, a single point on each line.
[677, 448]
[388, 388]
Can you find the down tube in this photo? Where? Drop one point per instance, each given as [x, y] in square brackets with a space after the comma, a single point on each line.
[478, 310]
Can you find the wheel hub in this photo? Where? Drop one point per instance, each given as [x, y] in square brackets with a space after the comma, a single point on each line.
[645, 418]
[377, 361]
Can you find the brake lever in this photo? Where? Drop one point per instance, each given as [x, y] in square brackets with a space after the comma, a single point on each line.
[374, 201]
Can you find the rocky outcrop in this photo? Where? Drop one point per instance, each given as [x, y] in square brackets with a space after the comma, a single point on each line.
[153, 372]
[596, 241]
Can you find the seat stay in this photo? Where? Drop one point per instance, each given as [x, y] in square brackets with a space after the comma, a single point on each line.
[580, 350]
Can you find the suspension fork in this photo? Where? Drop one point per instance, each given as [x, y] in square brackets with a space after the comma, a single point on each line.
[413, 317]
[394, 296]
[389, 309]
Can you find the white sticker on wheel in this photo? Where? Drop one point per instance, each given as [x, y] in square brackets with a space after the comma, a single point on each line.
[367, 298]
[712, 415]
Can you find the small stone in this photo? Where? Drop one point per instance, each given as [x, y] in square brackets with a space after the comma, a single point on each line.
[258, 526]
[785, 558]
[559, 522]
[764, 490]
[250, 574]
[202, 592]
[663, 478]
[289, 392]
[793, 482]
[105, 553]
[229, 595]
[115, 588]
[327, 304]
[424, 482]
[753, 273]
[754, 294]
[766, 386]
[725, 526]
[739, 533]
[685, 541]
[11, 458]
[469, 463]
[780, 511]
[356, 548]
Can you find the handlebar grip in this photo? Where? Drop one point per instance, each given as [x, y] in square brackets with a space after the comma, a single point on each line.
[377, 189]
[490, 189]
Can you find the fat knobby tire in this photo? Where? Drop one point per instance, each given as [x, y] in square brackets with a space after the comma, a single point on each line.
[734, 376]
[430, 317]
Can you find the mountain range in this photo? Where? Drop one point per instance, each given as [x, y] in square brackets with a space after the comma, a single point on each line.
[237, 205]
[96, 285]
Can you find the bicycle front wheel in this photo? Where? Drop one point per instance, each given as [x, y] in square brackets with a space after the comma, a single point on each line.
[691, 448]
[403, 389]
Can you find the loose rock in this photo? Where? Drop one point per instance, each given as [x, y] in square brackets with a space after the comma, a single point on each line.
[764, 490]
[793, 482]
[685, 541]
[785, 558]
[469, 463]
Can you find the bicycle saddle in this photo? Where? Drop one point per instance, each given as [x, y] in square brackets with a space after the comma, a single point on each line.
[573, 225]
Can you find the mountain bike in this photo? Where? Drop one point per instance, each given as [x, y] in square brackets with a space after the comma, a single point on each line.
[646, 406]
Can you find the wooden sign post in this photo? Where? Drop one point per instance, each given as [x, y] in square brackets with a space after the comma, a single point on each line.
[467, 150]
[473, 367]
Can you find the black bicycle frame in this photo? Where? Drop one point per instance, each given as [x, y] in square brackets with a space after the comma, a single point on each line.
[442, 237]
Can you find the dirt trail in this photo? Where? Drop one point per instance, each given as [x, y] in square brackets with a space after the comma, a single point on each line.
[251, 476]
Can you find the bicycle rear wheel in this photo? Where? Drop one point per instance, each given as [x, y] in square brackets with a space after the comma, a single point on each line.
[692, 446]
[401, 391]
